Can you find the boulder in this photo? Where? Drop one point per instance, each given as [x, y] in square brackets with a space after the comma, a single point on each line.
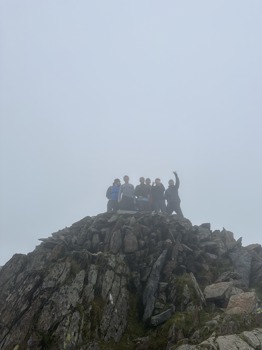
[253, 338]
[115, 242]
[232, 342]
[241, 260]
[242, 303]
[161, 318]
[149, 295]
[130, 243]
[218, 292]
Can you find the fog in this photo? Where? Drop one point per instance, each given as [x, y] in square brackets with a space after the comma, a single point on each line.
[94, 90]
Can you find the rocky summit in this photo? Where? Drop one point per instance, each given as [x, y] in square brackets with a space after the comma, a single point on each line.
[133, 281]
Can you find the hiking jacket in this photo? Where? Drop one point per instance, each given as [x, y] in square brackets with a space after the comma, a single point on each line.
[112, 192]
[142, 190]
[171, 194]
[126, 190]
[157, 192]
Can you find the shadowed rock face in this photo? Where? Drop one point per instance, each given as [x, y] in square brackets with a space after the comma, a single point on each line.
[129, 281]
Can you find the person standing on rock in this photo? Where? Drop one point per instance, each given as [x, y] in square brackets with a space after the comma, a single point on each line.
[112, 196]
[126, 195]
[172, 197]
[158, 196]
[149, 186]
[142, 193]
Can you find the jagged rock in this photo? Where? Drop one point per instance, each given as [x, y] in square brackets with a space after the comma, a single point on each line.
[185, 347]
[197, 289]
[203, 233]
[225, 241]
[254, 247]
[142, 343]
[253, 338]
[241, 260]
[232, 342]
[219, 292]
[256, 267]
[116, 242]
[206, 225]
[113, 280]
[228, 276]
[162, 317]
[130, 243]
[149, 295]
[248, 340]
[210, 247]
[242, 303]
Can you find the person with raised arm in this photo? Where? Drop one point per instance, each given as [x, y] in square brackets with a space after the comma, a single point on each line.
[172, 197]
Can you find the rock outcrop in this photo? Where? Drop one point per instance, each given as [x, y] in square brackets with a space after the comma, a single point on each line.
[133, 281]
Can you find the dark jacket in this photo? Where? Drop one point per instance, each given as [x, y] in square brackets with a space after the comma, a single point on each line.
[142, 190]
[157, 192]
[171, 194]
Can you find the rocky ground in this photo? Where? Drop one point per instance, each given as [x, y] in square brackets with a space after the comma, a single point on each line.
[133, 281]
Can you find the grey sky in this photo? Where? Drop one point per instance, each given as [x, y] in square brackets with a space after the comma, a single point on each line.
[93, 90]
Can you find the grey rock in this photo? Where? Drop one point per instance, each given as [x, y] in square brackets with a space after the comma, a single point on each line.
[197, 289]
[241, 260]
[228, 276]
[206, 225]
[185, 347]
[204, 234]
[130, 243]
[85, 287]
[161, 318]
[218, 292]
[256, 267]
[149, 295]
[232, 342]
[253, 338]
[242, 303]
[115, 242]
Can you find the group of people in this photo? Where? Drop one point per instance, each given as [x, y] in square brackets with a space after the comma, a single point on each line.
[144, 197]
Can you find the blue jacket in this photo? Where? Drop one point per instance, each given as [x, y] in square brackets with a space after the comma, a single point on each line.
[112, 192]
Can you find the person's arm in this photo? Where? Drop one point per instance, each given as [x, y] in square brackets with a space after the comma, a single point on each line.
[177, 179]
[108, 193]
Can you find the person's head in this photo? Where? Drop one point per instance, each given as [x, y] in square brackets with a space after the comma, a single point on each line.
[148, 181]
[126, 179]
[171, 182]
[142, 180]
[117, 182]
[157, 181]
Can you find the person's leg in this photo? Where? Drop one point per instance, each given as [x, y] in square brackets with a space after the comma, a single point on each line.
[145, 204]
[178, 210]
[163, 206]
[169, 208]
[115, 205]
[139, 204]
[131, 203]
[123, 204]
[157, 206]
[109, 205]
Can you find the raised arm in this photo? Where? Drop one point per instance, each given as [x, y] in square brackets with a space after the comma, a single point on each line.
[177, 179]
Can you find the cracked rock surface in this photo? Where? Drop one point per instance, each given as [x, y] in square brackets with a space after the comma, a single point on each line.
[133, 281]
